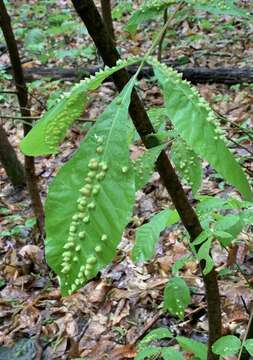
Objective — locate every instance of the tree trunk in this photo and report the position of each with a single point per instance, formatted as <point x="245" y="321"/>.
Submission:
<point x="107" y="17"/>
<point x="22" y="95"/>
<point x="10" y="162"/>
<point x="87" y="10"/>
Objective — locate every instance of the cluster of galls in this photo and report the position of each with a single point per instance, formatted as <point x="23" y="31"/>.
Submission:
<point x="138" y="167"/>
<point x="155" y="4"/>
<point x="192" y="94"/>
<point x="57" y="127"/>
<point x="222" y="4"/>
<point x="85" y="205"/>
<point x="185" y="165"/>
<point x="74" y="102"/>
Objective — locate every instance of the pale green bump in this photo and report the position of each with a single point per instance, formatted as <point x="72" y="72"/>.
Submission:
<point x="91" y="205"/>
<point x="73" y="287"/>
<point x="96" y="189"/>
<point x="86" y="190"/>
<point x="68" y="245"/>
<point x="100" y="140"/>
<point x="92" y="260"/>
<point x="100" y="176"/>
<point x="103" y="166"/>
<point x="78" y="248"/>
<point x="88" y="180"/>
<point x="124" y="169"/>
<point x="80" y="207"/>
<point x="82" y="268"/>
<point x="91" y="174"/>
<point x="72" y="228"/>
<point x="82" y="201"/>
<point x="86" y="219"/>
<point x="81" y="215"/>
<point x="66" y="254"/>
<point x="99" y="149"/>
<point x="93" y="164"/>
<point x="66" y="269"/>
<point x="87" y="273"/>
<point x="104" y="237"/>
<point x="89" y="267"/>
<point x="82" y="234"/>
<point x="98" y="248"/>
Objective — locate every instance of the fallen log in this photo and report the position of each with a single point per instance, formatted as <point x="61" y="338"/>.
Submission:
<point x="195" y="75"/>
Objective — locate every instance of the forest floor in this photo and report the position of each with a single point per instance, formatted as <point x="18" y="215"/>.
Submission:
<point x="108" y="316"/>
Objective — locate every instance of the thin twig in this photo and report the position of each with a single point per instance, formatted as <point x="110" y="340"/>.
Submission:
<point x="239" y="145"/>
<point x="160" y="45"/>
<point x="8" y="92"/>
<point x="247" y="132"/>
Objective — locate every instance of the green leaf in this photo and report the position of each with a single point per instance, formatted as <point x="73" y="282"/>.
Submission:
<point x="147" y="11"/>
<point x="187" y="163"/>
<point x="248" y="344"/>
<point x="247" y="217"/>
<point x="204" y="254"/>
<point x="122" y="7"/>
<point x="47" y="134"/>
<point x="34" y="40"/>
<point x="147" y="235"/>
<point x="176" y="296"/>
<point x="204" y="235"/>
<point x="158" y="117"/>
<point x="148" y="353"/>
<point x="224" y="7"/>
<point x="91" y="199"/>
<point x="180" y="263"/>
<point x="230" y="224"/>
<point x="196" y="123"/>
<point x="193" y="346"/>
<point x="170" y="353"/>
<point x="227" y="345"/>
<point x="144" y="166"/>
<point x="156" y="334"/>
<point x="209" y="203"/>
